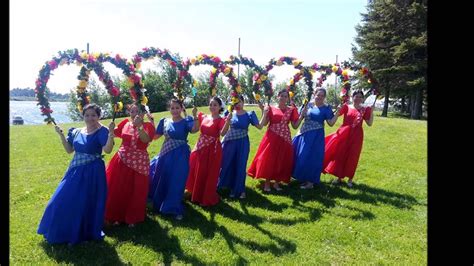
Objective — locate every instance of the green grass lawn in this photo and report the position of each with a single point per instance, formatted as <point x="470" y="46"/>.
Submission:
<point x="381" y="220"/>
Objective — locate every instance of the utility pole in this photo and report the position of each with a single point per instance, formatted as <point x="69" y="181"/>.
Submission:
<point x="87" y="48"/>
<point x="238" y="65"/>
<point x="335" y="79"/>
<point x="335" y="85"/>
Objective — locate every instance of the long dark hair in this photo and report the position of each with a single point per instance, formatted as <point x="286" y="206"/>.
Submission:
<point x="219" y="101"/>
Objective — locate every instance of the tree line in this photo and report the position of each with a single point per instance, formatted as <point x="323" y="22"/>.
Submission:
<point x="28" y="94"/>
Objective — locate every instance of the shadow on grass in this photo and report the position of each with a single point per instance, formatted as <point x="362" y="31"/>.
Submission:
<point x="152" y="235"/>
<point x="375" y="196"/>
<point x="156" y="237"/>
<point x="208" y="227"/>
<point x="86" y="253"/>
<point x="327" y="194"/>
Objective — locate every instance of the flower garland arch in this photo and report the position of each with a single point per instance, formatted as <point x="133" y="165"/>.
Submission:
<point x="183" y="75"/>
<point x="131" y="68"/>
<point x="261" y="78"/>
<point x="68" y="57"/>
<point x="343" y="74"/>
<point x="134" y="78"/>
<point x="234" y="60"/>
<point x="205" y="59"/>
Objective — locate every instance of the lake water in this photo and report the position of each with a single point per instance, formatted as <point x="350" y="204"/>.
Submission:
<point x="32" y="115"/>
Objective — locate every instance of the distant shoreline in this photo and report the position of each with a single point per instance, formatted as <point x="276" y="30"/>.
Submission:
<point x="34" y="99"/>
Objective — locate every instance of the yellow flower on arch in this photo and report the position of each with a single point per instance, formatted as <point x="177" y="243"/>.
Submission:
<point x="144" y="100"/>
<point x="257" y="96"/>
<point x="118" y="107"/>
<point x="82" y="83"/>
<point x="297" y="62"/>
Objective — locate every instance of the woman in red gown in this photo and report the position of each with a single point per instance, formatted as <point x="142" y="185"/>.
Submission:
<point x="343" y="147"/>
<point x="205" y="159"/>
<point x="274" y="157"/>
<point x="127" y="172"/>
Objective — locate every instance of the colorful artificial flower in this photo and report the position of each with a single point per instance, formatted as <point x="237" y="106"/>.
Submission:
<point x="297" y="62"/>
<point x="257" y="96"/>
<point x="227" y="71"/>
<point x="82" y="83"/>
<point x="118" y="107"/>
<point x="144" y="100"/>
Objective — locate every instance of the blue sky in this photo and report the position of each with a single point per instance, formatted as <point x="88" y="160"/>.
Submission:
<point x="314" y="31"/>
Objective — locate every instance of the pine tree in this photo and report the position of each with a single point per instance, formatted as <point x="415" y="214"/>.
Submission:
<point x="392" y="42"/>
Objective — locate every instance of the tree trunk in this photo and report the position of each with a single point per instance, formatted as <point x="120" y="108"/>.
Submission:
<point x="409" y="101"/>
<point x="385" y="104"/>
<point x="403" y="107"/>
<point x="417" y="105"/>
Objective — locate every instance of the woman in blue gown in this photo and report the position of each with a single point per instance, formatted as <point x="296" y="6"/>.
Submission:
<point x="236" y="148"/>
<point x="309" y="142"/>
<point x="75" y="213"/>
<point x="169" y="169"/>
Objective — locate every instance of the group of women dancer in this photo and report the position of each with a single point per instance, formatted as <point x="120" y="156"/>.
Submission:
<point x="91" y="194"/>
